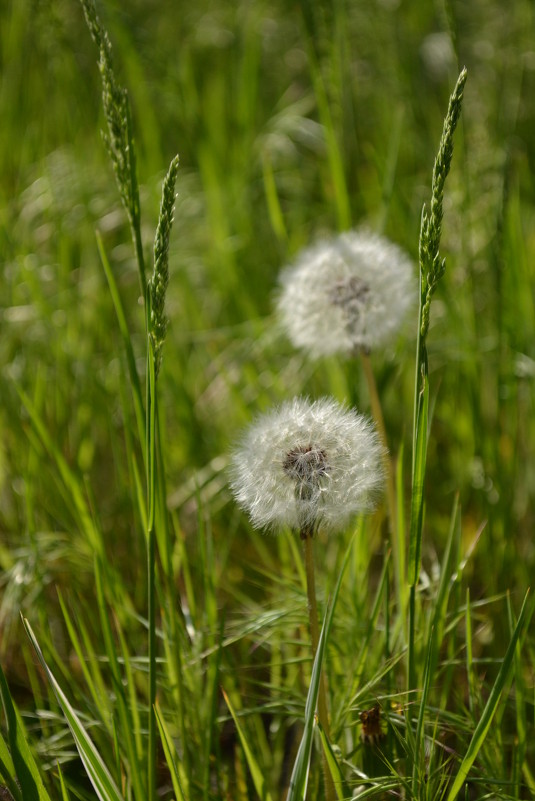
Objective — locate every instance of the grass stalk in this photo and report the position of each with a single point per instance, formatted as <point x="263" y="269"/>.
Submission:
<point x="432" y="268"/>
<point x="388" y="465"/>
<point x="312" y="605"/>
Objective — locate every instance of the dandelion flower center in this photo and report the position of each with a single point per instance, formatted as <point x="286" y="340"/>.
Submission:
<point x="351" y="295"/>
<point x="306" y="464"/>
<point x="346" y="294"/>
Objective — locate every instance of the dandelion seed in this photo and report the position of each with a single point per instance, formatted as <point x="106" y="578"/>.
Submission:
<point x="307" y="464"/>
<point x="347" y="294"/>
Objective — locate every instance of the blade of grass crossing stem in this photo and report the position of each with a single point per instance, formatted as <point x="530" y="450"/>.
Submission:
<point x="127" y="342"/>
<point x="521" y="705"/>
<point x="21" y="761"/>
<point x="93" y="679"/>
<point x="491" y="706"/>
<point x="417" y="510"/>
<point x="7" y="770"/>
<point x="6" y="763"/>
<point x="256" y="773"/>
<point x="212" y="696"/>
<point x="400" y="551"/>
<point x="299" y="778"/>
<point x="96" y="769"/>
<point x="73" y="489"/>
<point x="371" y="630"/>
<point x="438" y="619"/>
<point x="472" y="694"/>
<point x="419" y="755"/>
<point x="123" y="712"/>
<point x="341" y="788"/>
<point x="170" y="755"/>
<point x="133" y="707"/>
<point x="64" y="792"/>
<point x="418" y="475"/>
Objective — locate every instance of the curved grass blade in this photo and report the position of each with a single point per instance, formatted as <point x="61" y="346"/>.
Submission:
<point x="168" y="750"/>
<point x="256" y="774"/>
<point x="340" y="786"/>
<point x="21" y="759"/>
<point x="492" y="704"/>
<point x="64" y="792"/>
<point x="98" y="773"/>
<point x="127" y="341"/>
<point x="299" y="778"/>
<point x="7" y="770"/>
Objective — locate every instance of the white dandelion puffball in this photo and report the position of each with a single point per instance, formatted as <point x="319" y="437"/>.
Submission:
<point x="307" y="465"/>
<point x="346" y="294"/>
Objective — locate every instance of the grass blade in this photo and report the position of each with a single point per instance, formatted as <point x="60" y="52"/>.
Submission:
<point x="256" y="774"/>
<point x="299" y="778"/>
<point x="21" y="759"/>
<point x="340" y="786"/>
<point x="490" y="708"/>
<point x="98" y="773"/>
<point x="168" y="750"/>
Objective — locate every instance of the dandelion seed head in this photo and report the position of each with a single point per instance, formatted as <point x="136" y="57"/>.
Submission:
<point x="307" y="464"/>
<point x="345" y="294"/>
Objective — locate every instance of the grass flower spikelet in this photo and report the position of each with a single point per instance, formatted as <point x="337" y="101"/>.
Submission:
<point x="307" y="464"/>
<point x="346" y="294"/>
<point x="160" y="277"/>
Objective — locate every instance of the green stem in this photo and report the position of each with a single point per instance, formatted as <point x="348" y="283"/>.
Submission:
<point x="151" y="558"/>
<point x="388" y="467"/>
<point x="323" y="713"/>
<point x="152" y="666"/>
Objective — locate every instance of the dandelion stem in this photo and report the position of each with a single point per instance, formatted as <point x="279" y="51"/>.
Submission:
<point x="388" y="466"/>
<point x="323" y="713"/>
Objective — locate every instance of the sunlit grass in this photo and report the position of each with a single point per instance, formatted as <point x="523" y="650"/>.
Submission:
<point x="291" y="124"/>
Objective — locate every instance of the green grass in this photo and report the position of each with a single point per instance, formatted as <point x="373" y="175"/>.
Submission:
<point x="290" y="122"/>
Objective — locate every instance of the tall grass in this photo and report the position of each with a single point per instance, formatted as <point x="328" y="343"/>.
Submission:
<point x="164" y="648"/>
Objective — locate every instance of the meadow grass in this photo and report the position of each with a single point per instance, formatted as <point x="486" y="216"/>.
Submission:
<point x="163" y="650"/>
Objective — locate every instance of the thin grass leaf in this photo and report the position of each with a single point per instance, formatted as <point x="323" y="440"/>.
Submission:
<point x="7" y="770"/>
<point x="21" y="761"/>
<point x="420" y="733"/>
<point x="334" y="154"/>
<point x="93" y="679"/>
<point x="124" y="716"/>
<point x="276" y="216"/>
<point x="127" y="341"/>
<point x="299" y="778"/>
<point x="520" y="703"/>
<point x="257" y="776"/>
<point x="491" y="706"/>
<point x="96" y="769"/>
<point x="64" y="792"/>
<point x="357" y="668"/>
<point x="170" y="754"/>
<point x="73" y="486"/>
<point x="341" y="788"/>
<point x="418" y="476"/>
<point x="470" y="679"/>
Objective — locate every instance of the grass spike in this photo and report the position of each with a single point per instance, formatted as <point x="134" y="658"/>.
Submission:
<point x="157" y="325"/>
<point x="431" y="265"/>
